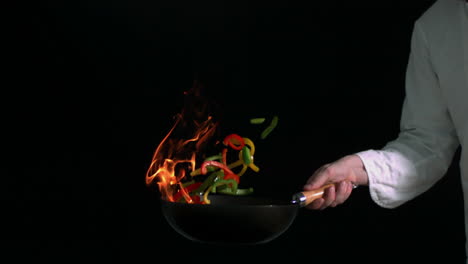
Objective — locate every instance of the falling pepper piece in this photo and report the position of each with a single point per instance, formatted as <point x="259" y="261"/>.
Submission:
<point x="247" y="159"/>
<point x="267" y="131"/>
<point x="215" y="157"/>
<point x="184" y="191"/>
<point x="230" y="182"/>
<point x="227" y="172"/>
<point x="257" y="120"/>
<point x="234" y="141"/>
<point x="246" y="155"/>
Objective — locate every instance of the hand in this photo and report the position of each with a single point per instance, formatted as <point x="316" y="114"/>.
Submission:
<point x="345" y="172"/>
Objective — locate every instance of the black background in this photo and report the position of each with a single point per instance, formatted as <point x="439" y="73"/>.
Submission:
<point x="91" y="88"/>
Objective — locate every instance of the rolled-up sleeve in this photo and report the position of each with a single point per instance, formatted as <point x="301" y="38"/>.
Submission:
<point x="425" y="146"/>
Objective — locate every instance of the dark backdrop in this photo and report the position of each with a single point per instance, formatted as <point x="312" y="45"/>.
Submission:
<point x="91" y="88"/>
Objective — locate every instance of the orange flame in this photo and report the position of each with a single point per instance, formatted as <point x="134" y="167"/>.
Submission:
<point x="175" y="157"/>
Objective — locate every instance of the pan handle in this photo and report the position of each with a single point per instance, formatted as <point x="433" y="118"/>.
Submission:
<point x="306" y="197"/>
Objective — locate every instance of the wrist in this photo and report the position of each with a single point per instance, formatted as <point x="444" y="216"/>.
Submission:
<point x="358" y="174"/>
<point x="354" y="161"/>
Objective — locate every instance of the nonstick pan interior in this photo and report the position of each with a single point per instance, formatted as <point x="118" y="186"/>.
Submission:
<point x="231" y="219"/>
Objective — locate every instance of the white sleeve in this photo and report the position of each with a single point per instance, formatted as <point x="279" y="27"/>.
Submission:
<point x="424" y="149"/>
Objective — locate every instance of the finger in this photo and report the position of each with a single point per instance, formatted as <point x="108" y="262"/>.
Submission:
<point x="329" y="197"/>
<point x="315" y="205"/>
<point x="342" y="192"/>
<point x="349" y="189"/>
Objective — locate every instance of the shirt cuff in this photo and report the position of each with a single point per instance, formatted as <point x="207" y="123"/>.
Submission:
<point x="370" y="160"/>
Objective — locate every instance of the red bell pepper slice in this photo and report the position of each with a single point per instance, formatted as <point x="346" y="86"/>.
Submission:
<point x="228" y="173"/>
<point x="179" y="194"/>
<point x="232" y="176"/>
<point x="234" y="141"/>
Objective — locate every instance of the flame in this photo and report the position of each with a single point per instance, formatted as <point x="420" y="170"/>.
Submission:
<point x="175" y="157"/>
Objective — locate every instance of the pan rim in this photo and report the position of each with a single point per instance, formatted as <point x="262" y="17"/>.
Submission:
<point x="271" y="203"/>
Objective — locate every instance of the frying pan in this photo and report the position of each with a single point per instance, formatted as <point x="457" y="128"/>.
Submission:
<point x="236" y="219"/>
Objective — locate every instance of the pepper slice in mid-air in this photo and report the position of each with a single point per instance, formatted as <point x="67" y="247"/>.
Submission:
<point x="228" y="173"/>
<point x="222" y="178"/>
<point x="184" y="192"/>
<point x="234" y="141"/>
<point x="268" y="129"/>
<point x="230" y="182"/>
